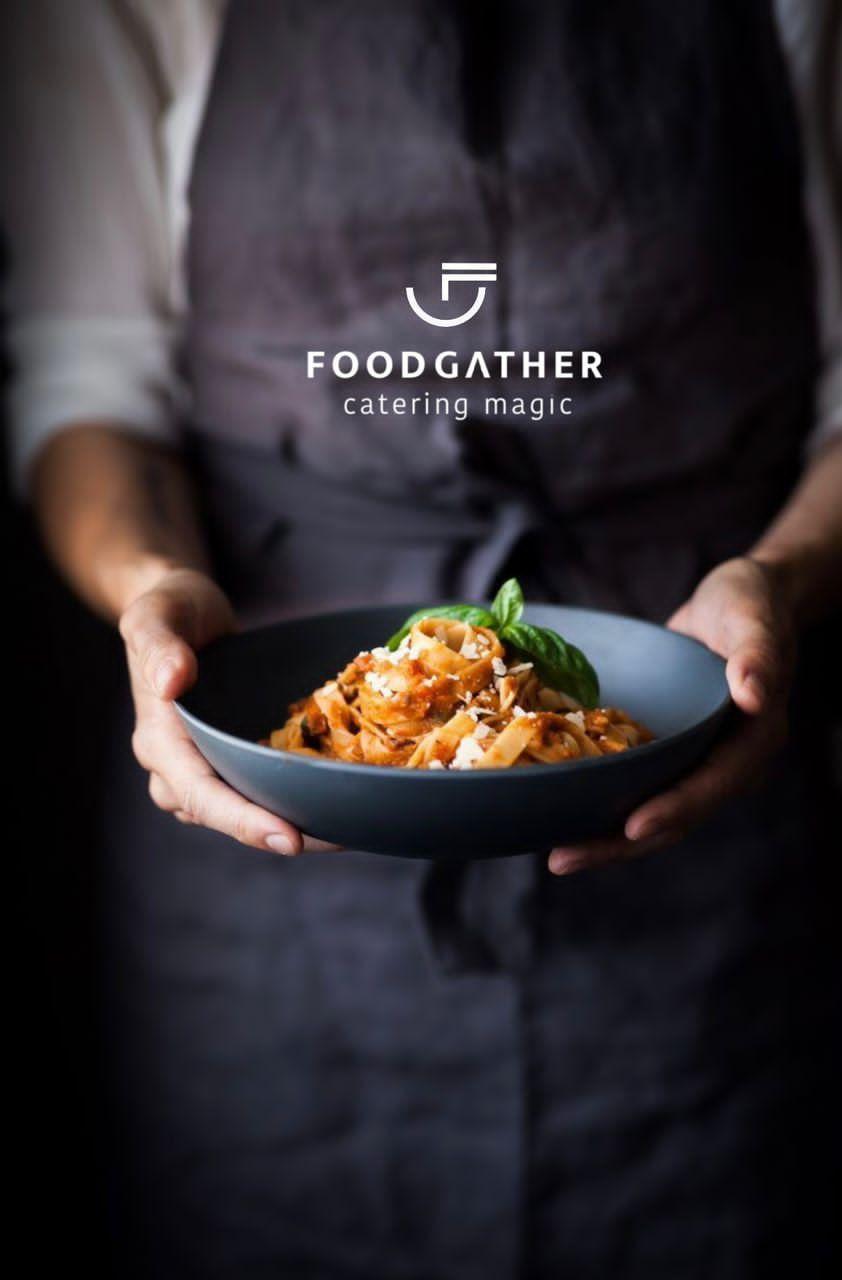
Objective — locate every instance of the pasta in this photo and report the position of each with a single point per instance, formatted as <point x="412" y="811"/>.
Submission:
<point x="451" y="696"/>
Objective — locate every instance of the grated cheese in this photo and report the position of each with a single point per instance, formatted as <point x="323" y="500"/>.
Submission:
<point x="378" y="682"/>
<point x="382" y="654"/>
<point x="467" y="753"/>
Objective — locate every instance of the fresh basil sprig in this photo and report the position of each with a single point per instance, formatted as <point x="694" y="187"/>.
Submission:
<point x="558" y="663"/>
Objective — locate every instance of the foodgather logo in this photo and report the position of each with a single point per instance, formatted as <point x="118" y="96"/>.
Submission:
<point x="463" y="273"/>
<point x="467" y="368"/>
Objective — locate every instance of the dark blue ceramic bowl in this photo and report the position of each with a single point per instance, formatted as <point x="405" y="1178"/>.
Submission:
<point x="674" y="685"/>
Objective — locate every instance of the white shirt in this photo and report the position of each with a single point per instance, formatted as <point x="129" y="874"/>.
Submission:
<point x="103" y="103"/>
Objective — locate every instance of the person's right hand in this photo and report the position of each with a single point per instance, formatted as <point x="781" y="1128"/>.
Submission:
<point x="162" y="630"/>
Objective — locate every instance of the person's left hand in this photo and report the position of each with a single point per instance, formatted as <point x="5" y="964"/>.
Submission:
<point x="741" y="611"/>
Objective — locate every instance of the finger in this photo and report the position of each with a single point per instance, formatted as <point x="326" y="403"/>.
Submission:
<point x="211" y="803"/>
<point x="165" y="661"/>
<point x="162" y="746"/>
<point x="755" y="668"/>
<point x="167" y="801"/>
<point x="756" y="660"/>
<point x="309" y="843"/>
<point x="588" y="852"/>
<point x="567" y="860"/>
<point x="162" y="794"/>
<point x="729" y="769"/>
<point x="165" y="798"/>
<point x="588" y="857"/>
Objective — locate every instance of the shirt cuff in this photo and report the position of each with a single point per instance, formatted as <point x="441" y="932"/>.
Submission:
<point x="103" y="370"/>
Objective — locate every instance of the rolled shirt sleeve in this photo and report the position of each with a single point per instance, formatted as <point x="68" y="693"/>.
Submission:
<point x="102" y="99"/>
<point x="114" y="369"/>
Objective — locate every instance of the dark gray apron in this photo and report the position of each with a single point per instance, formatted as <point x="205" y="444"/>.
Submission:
<point x="352" y="1066"/>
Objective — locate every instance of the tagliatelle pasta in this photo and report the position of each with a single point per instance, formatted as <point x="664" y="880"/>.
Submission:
<point x="450" y="696"/>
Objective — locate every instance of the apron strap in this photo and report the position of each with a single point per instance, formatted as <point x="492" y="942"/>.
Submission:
<point x="478" y="916"/>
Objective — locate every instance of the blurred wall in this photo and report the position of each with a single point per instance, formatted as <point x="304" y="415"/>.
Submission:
<point x="62" y="673"/>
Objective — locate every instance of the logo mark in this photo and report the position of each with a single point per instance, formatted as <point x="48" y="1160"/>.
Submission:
<point x="463" y="272"/>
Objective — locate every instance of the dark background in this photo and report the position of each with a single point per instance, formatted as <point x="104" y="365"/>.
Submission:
<point x="65" y="669"/>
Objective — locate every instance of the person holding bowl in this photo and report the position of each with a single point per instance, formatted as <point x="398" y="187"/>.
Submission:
<point x="609" y="1074"/>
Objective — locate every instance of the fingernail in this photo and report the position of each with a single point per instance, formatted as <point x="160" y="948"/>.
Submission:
<point x="646" y="830"/>
<point x="562" y="863"/>
<point x="164" y="675"/>
<point x="280" y="844"/>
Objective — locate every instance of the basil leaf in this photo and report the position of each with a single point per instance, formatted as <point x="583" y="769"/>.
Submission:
<point x="508" y="603"/>
<point x="469" y="613"/>
<point x="559" y="664"/>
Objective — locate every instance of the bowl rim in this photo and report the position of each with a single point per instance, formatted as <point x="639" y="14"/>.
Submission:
<point x="621" y="758"/>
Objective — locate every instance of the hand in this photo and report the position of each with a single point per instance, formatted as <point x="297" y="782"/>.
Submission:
<point x="741" y="611"/>
<point x="162" y="630"/>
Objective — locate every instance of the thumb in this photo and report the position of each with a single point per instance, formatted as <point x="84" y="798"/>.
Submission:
<point x="754" y="669"/>
<point x="153" y="630"/>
